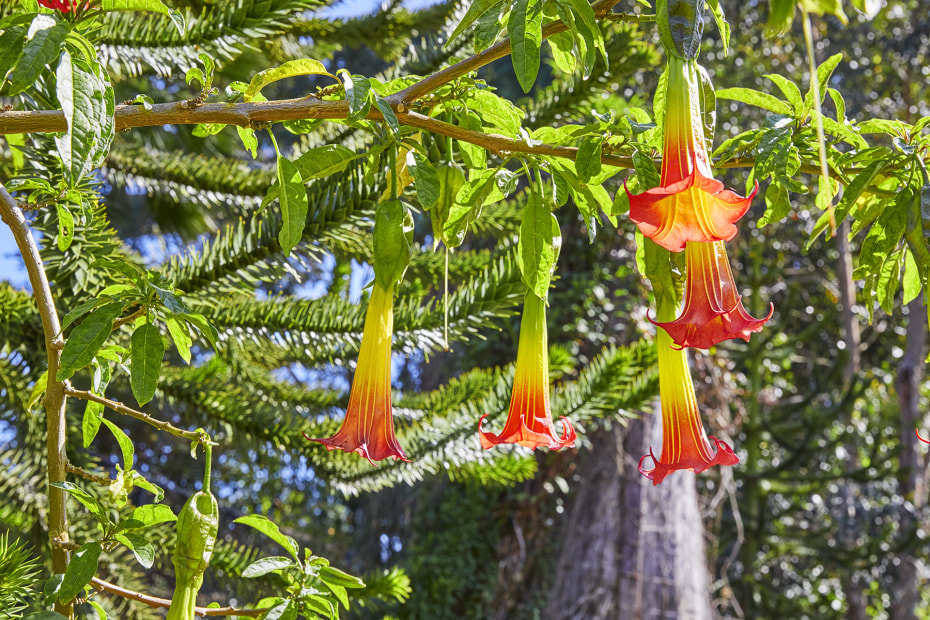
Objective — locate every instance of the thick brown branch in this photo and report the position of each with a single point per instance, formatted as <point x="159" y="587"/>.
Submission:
<point x="155" y="601"/>
<point x="139" y="415"/>
<point x="13" y="217"/>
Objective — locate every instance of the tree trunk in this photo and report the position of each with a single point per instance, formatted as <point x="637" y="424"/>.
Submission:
<point x="631" y="551"/>
<point x="912" y="476"/>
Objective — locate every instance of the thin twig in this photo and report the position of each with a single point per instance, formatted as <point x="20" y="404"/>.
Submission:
<point x="818" y="112"/>
<point x="128" y="319"/>
<point x="155" y="601"/>
<point x="83" y="473"/>
<point x="139" y="415"/>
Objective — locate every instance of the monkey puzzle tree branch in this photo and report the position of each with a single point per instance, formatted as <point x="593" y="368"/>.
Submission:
<point x="154" y="601"/>
<point x="55" y="399"/>
<point x="139" y="415"/>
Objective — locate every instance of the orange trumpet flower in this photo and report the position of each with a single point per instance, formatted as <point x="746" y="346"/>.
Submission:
<point x="368" y="427"/>
<point x="529" y="420"/>
<point x="689" y="204"/>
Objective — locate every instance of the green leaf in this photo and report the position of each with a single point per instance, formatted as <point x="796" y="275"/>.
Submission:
<point x="777" y="204"/>
<point x="80" y="571"/>
<point x="755" y="98"/>
<point x="358" y="94"/>
<point x="393" y="236"/>
<point x="293" y="198"/>
<point x="790" y="90"/>
<point x="89" y="501"/>
<point x="87" y="338"/>
<point x="323" y="161"/>
<point x="151" y="514"/>
<point x="101" y="612"/>
<point x="425" y="179"/>
<point x="291" y="68"/>
<point x="267" y="565"/>
<point x="562" y="45"/>
<point x="205" y="327"/>
<point x="388" y="113"/>
<point x="282" y="611"/>
<point x="65" y="227"/>
<point x="781" y="14"/>
<point x="646" y="171"/>
<point x="270" y="529"/>
<point x="181" y="337"/>
<point x="912" y="279"/>
<point x="249" y="140"/>
<point x="125" y="444"/>
<point x="828" y="7"/>
<point x="86" y="100"/>
<point x="587" y="27"/>
<point x="147" y="349"/>
<point x="487" y="28"/>
<point x="538" y="248"/>
<point x="824" y="71"/>
<point x="337" y="577"/>
<point x="475" y="10"/>
<point x="588" y="160"/>
<point x="451" y="180"/>
<point x="525" y="32"/>
<point x="43" y="44"/>
<point x="722" y="24"/>
<point x="140" y="547"/>
<point x="90" y="423"/>
<point x="473" y="156"/>
<point x="11" y="48"/>
<point x="37" y="390"/>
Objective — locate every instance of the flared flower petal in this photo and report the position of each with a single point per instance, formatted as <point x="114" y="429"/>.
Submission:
<point x="685" y="445"/>
<point x="529" y="420"/>
<point x="713" y="311"/>
<point x="689" y="204"/>
<point x="368" y="427"/>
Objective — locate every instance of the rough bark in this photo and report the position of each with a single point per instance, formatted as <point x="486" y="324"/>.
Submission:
<point x="912" y="480"/>
<point x="631" y="551"/>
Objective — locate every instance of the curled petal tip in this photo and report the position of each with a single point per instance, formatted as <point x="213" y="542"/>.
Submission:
<point x="921" y="437"/>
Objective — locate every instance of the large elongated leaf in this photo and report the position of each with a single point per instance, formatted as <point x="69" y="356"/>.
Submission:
<point x="525" y="31"/>
<point x="292" y="68"/>
<point x="270" y="529"/>
<point x="293" y="198"/>
<point x="87" y="338"/>
<point x="475" y="10"/>
<point x="43" y="43"/>
<point x="81" y="569"/>
<point x="147" y="349"/>
<point x="86" y="99"/>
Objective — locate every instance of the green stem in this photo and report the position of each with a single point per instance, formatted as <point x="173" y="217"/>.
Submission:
<point x="818" y="113"/>
<point x="208" y="466"/>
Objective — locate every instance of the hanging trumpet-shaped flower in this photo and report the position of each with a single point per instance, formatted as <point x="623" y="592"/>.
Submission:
<point x="529" y="420"/>
<point x="368" y="427"/>
<point x="689" y="204"/>
<point x="713" y="311"/>
<point x="685" y="445"/>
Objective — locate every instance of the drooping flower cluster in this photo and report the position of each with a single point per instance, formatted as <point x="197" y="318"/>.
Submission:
<point x="690" y="211"/>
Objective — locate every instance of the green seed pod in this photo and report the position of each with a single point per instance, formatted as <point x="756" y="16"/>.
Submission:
<point x="197" y="526"/>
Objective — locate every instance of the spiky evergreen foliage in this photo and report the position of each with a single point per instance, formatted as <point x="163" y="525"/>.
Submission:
<point x="289" y="326"/>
